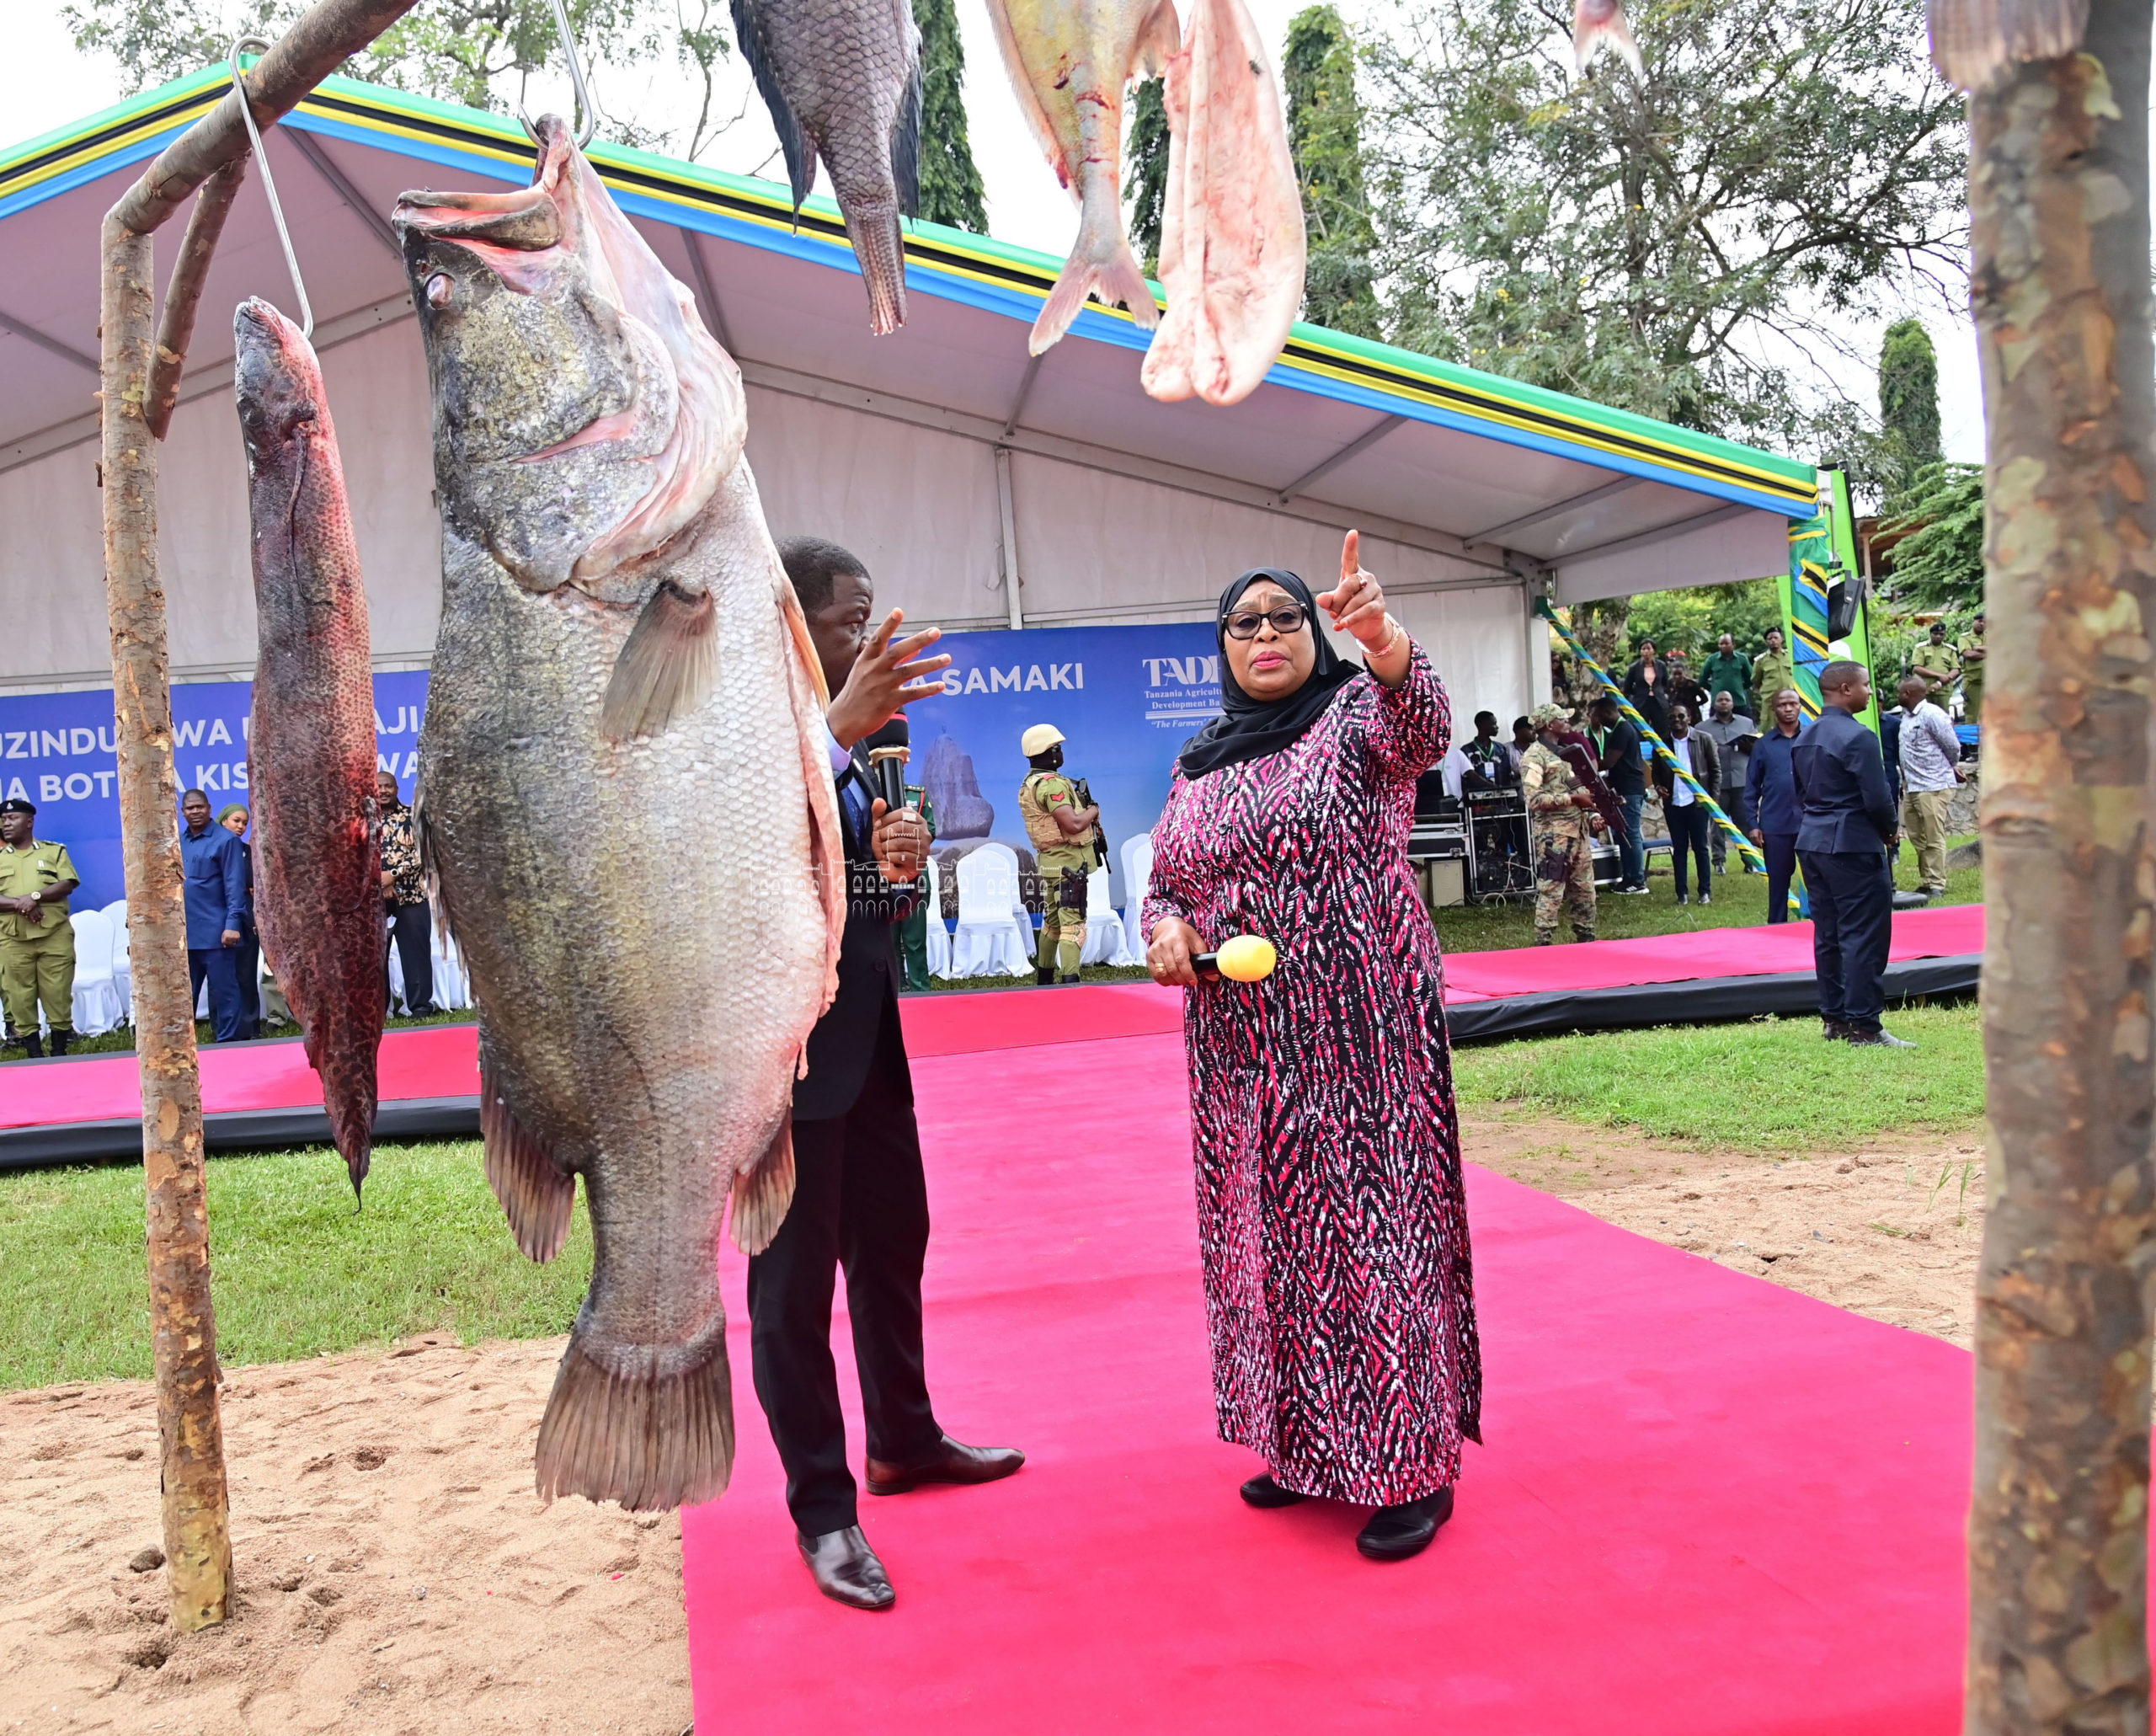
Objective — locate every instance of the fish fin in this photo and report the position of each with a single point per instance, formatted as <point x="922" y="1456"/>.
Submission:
<point x="668" y="667"/>
<point x="762" y="1193"/>
<point x="1614" y="33"/>
<point x="1029" y="103"/>
<point x="905" y="137"/>
<point x="1112" y="271"/>
<point x="880" y="246"/>
<point x="800" y="152"/>
<point x="535" y="1193"/>
<point x="797" y="626"/>
<point x="811" y="699"/>
<point x="1159" y="38"/>
<point x="654" y="1430"/>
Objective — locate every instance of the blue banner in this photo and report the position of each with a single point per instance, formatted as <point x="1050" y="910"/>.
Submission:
<point x="1126" y="698"/>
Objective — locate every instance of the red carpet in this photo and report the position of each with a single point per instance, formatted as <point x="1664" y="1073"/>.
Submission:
<point x="1706" y="1505"/>
<point x="441" y="1061"/>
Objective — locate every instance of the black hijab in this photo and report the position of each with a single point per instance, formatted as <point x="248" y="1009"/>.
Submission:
<point x="1250" y="729"/>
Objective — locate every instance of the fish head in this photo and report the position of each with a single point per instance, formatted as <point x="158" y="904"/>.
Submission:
<point x="583" y="417"/>
<point x="276" y="379"/>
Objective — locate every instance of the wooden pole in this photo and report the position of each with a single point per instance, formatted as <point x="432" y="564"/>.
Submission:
<point x="197" y="1532"/>
<point x="190" y="272"/>
<point x="2058" y="1530"/>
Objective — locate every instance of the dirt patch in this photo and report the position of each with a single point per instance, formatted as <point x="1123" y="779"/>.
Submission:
<point x="394" y="1571"/>
<point x="1892" y="1230"/>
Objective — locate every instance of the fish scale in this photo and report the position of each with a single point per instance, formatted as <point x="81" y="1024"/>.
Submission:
<point x="311" y="735"/>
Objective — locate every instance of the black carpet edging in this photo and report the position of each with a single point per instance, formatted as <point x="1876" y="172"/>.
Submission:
<point x="420" y="1118"/>
<point x="1699" y="1001"/>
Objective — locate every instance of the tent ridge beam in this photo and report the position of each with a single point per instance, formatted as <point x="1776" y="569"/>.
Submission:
<point x="1682" y="527"/>
<point x="1543" y="514"/>
<point x="1113" y="462"/>
<point x="1361" y="443"/>
<point x="325" y="165"/>
<point x="52" y="346"/>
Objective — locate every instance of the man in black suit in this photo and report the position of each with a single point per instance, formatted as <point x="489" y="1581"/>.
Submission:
<point x="1843" y="839"/>
<point x="860" y="1199"/>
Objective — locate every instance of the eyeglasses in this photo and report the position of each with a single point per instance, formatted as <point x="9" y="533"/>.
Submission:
<point x="1288" y="619"/>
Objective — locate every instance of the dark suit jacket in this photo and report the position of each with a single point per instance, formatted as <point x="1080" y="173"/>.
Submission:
<point x="1706" y="766"/>
<point x="1841" y="784"/>
<point x="846" y="1039"/>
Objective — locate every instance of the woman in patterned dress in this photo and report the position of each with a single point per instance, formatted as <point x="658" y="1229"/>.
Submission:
<point x="1331" y="1220"/>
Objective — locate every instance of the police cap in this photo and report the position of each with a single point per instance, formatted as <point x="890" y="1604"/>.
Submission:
<point x="1039" y="739"/>
<point x="16" y="805"/>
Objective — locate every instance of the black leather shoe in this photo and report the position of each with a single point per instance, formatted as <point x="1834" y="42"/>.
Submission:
<point x="33" y="1047"/>
<point x="61" y="1039"/>
<point x="1262" y="1492"/>
<point x="1877" y="1040"/>
<point x="1044" y="976"/>
<point x="846" y="1571"/>
<point x="953" y="1461"/>
<point x="1396" y="1533"/>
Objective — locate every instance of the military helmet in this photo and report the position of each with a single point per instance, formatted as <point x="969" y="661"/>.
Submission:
<point x="1039" y="739"/>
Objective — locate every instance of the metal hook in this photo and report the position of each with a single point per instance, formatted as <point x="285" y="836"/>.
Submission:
<point x="576" y="78"/>
<point x="269" y="182"/>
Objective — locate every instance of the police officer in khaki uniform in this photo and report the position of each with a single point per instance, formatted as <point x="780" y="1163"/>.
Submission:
<point x="1064" y="830"/>
<point x="1971" y="647"/>
<point x="1565" y="826"/>
<point x="37" y="942"/>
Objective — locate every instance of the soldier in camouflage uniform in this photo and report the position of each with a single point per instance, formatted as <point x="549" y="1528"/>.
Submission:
<point x="1565" y="826"/>
<point x="1065" y="831"/>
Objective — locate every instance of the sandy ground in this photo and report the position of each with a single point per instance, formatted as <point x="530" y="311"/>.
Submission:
<point x="396" y="1574"/>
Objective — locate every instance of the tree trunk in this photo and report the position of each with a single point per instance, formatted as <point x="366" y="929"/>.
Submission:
<point x="2058" y="1530"/>
<point x="198" y="1543"/>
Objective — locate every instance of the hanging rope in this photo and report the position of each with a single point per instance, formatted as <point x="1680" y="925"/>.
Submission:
<point x="590" y="114"/>
<point x="269" y="181"/>
<point x="1753" y="859"/>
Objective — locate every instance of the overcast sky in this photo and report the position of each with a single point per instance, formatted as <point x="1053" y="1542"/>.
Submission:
<point x="44" y="83"/>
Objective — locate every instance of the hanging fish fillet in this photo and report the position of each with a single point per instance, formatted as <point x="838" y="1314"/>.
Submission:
<point x="311" y="740"/>
<point x="842" y="80"/>
<point x="627" y="799"/>
<point x="1068" y="62"/>
<point x="1232" y="246"/>
<point x="1598" y="24"/>
<point x="1974" y="41"/>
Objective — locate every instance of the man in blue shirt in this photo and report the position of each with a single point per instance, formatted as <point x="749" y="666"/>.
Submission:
<point x="1847" y="831"/>
<point x="1770" y="804"/>
<point x="215" y="864"/>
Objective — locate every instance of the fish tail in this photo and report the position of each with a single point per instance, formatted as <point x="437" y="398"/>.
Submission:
<point x="1101" y="262"/>
<point x="880" y="247"/>
<point x="348" y="1097"/>
<point x="649" y="1426"/>
<point x="1590" y="36"/>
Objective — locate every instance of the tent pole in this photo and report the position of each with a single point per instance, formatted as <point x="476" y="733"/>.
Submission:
<point x="197" y="1530"/>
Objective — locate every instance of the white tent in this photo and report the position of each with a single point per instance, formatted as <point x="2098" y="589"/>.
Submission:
<point x="983" y="489"/>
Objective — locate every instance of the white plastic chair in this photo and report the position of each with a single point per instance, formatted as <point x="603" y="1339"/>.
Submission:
<point x="97" y="1007"/>
<point x="1105" y="943"/>
<point x="123" y="972"/>
<point x="987" y="942"/>
<point x="452" y="988"/>
<point x="939" y="936"/>
<point x="1137" y="879"/>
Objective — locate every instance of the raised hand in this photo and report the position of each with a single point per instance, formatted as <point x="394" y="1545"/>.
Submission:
<point x="1356" y="603"/>
<point x="888" y="675"/>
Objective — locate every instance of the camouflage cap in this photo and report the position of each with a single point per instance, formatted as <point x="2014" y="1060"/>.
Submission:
<point x="1545" y="715"/>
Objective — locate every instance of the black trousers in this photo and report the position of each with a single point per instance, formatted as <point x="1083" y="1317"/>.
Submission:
<point x="1779" y="848"/>
<point x="410" y="926"/>
<point x="1852" y="896"/>
<point x="1689" y="826"/>
<point x="860" y="1202"/>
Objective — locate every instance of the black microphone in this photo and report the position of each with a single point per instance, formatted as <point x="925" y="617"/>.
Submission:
<point x="888" y="750"/>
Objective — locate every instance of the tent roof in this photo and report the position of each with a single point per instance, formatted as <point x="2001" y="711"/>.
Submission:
<point x="1509" y="479"/>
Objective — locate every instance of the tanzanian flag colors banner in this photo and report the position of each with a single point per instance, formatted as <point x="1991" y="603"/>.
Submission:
<point x="1821" y="555"/>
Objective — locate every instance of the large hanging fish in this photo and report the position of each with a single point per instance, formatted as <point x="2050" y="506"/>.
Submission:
<point x="627" y="799"/>
<point x="842" y="80"/>
<point x="1232" y="244"/>
<point x="311" y="741"/>
<point x="1068" y="62"/>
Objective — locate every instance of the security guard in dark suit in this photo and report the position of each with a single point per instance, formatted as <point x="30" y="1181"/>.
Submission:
<point x="1843" y="841"/>
<point x="860" y="1198"/>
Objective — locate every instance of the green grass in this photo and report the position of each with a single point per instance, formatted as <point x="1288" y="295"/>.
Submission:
<point x="298" y="1270"/>
<point x="1739" y="902"/>
<point x="1766" y="1085"/>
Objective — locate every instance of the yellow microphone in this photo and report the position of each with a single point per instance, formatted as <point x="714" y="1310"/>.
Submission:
<point x="1247" y="958"/>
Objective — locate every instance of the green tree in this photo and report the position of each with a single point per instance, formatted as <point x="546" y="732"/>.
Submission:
<point x="950" y="184"/>
<point x="1674" y="244"/>
<point x="1146" y="178"/>
<point x="1939" y="563"/>
<point x="477" y="52"/>
<point x="1325" y="124"/>
<point x="1909" y="396"/>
